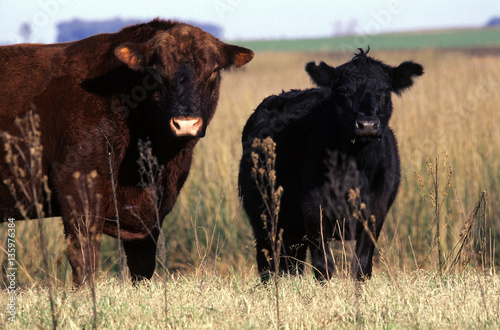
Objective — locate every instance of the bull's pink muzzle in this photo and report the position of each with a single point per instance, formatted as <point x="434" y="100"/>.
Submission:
<point x="187" y="126"/>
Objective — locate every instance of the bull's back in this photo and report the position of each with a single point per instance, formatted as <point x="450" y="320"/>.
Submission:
<point x="25" y="72"/>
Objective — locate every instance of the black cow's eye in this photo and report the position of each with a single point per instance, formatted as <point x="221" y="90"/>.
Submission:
<point x="383" y="99"/>
<point x="342" y="91"/>
<point x="344" y="97"/>
<point x="385" y="96"/>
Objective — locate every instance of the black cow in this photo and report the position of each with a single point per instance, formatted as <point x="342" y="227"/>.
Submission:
<point x="329" y="140"/>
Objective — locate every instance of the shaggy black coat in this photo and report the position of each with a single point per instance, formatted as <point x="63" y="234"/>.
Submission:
<point x="334" y="149"/>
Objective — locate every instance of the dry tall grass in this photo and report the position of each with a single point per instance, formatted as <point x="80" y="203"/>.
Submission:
<point x="237" y="301"/>
<point x="452" y="109"/>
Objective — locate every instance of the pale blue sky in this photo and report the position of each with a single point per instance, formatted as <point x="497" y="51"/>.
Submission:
<point x="254" y="19"/>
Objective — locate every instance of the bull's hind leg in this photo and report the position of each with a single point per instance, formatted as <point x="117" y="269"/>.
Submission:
<point x="141" y="256"/>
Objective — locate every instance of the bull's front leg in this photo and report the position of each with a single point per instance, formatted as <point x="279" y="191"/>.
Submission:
<point x="141" y="256"/>
<point x="84" y="246"/>
<point x="82" y="220"/>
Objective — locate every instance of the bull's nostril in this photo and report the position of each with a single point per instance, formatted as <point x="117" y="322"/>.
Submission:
<point x="175" y="124"/>
<point x="359" y="125"/>
<point x="376" y="125"/>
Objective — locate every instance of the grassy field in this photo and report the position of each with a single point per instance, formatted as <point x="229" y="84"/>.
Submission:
<point x="451" y="113"/>
<point x="238" y="301"/>
<point x="395" y="41"/>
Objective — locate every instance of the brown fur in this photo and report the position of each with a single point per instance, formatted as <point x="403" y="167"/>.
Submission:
<point x="96" y="98"/>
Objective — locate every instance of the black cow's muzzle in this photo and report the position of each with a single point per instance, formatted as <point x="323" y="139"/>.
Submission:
<point x="368" y="128"/>
<point x="187" y="126"/>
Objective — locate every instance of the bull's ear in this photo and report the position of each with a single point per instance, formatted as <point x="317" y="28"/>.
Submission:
<point x="236" y="55"/>
<point x="322" y="75"/>
<point x="133" y="55"/>
<point x="402" y="76"/>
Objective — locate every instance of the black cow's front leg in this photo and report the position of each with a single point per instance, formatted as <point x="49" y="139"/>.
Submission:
<point x="264" y="256"/>
<point x="361" y="266"/>
<point x="319" y="234"/>
<point x="369" y="230"/>
<point x="292" y="254"/>
<point x="322" y="260"/>
<point x="292" y="259"/>
<point x="141" y="256"/>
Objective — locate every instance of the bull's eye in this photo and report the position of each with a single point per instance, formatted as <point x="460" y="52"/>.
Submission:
<point x="215" y="71"/>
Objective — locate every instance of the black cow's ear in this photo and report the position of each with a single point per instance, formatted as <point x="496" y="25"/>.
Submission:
<point x="236" y="55"/>
<point x="402" y="76"/>
<point x="133" y="55"/>
<point x="322" y="75"/>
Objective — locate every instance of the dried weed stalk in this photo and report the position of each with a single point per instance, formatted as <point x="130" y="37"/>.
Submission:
<point x="151" y="174"/>
<point x="86" y="226"/>
<point x="29" y="186"/>
<point x="463" y="251"/>
<point x="264" y="174"/>
<point x="437" y="197"/>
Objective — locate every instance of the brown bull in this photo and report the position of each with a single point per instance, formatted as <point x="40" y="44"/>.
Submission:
<point x="97" y="98"/>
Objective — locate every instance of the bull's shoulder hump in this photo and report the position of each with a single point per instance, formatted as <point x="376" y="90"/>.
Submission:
<point x="26" y="68"/>
<point x="19" y="54"/>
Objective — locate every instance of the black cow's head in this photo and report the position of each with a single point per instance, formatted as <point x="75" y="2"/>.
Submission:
<point x="182" y="74"/>
<point x="361" y="91"/>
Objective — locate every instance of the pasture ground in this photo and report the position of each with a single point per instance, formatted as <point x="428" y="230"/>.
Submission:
<point x="410" y="300"/>
<point x="449" y="137"/>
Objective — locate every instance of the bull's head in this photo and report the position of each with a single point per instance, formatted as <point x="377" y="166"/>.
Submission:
<point x="184" y="65"/>
<point x="361" y="91"/>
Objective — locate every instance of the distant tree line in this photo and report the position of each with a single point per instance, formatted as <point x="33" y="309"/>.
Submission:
<point x="494" y="21"/>
<point x="78" y="29"/>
